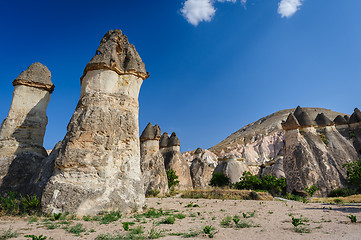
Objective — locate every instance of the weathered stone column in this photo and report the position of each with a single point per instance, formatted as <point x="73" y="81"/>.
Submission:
<point x="22" y="132"/>
<point x="152" y="161"/>
<point x="173" y="159"/>
<point x="98" y="164"/>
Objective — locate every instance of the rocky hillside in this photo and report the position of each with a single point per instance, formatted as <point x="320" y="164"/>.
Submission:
<point x="261" y="141"/>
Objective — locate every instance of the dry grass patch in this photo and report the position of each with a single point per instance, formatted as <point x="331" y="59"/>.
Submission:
<point x="228" y="194"/>
<point x="349" y="199"/>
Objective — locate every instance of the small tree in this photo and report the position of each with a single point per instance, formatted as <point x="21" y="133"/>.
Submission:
<point x="172" y="178"/>
<point x="219" y="180"/>
<point x="354" y="174"/>
<point x="311" y="190"/>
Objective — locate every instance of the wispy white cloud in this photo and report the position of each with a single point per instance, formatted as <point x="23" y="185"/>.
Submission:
<point x="289" y="7"/>
<point x="196" y="11"/>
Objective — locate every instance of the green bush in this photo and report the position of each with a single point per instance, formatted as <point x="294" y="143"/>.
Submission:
<point x="219" y="180"/>
<point x="275" y="186"/>
<point x="15" y="204"/>
<point x="354" y="174"/>
<point x="172" y="178"/>
<point x="311" y="190"/>
<point x="342" y="192"/>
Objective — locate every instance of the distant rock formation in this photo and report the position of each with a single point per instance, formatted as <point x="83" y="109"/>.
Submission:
<point x="152" y="161"/>
<point x="201" y="170"/>
<point x="22" y="132"/>
<point x="314" y="154"/>
<point x="173" y="159"/>
<point x="97" y="167"/>
<point x="232" y="167"/>
<point x="204" y="154"/>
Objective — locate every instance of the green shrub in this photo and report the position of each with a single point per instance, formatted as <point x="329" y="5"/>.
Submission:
<point x="342" y="192"/>
<point x="209" y="230"/>
<point x="352" y="218"/>
<point x="219" y="180"/>
<point x="110" y="217"/>
<point x="33" y="237"/>
<point x="6" y="234"/>
<point x="297" y="221"/>
<point x="226" y="222"/>
<point x="168" y="220"/>
<point x="15" y="204"/>
<point x="172" y="178"/>
<point x="311" y="190"/>
<point x="275" y="186"/>
<point x="155" y="234"/>
<point x="76" y="229"/>
<point x="354" y="174"/>
<point x="323" y="138"/>
<point x="153" y="192"/>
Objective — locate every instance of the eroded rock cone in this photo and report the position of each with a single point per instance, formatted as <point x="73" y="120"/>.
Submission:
<point x="232" y="168"/>
<point x="305" y="120"/>
<point x="97" y="167"/>
<point x="355" y="117"/>
<point x="22" y="132"/>
<point x="173" y="159"/>
<point x="291" y="123"/>
<point x="152" y="162"/>
<point x="340" y="120"/>
<point x="323" y="121"/>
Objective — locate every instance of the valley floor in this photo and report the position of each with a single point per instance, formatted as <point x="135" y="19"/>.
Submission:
<point x="257" y="220"/>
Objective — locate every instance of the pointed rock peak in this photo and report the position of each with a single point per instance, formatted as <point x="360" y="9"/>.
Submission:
<point x="37" y="75"/>
<point x="198" y="151"/>
<point x="291" y="123"/>
<point x="298" y="111"/>
<point x="339" y="120"/>
<point x="355" y="117"/>
<point x="117" y="54"/>
<point x="148" y="133"/>
<point x="347" y="117"/>
<point x="305" y="120"/>
<point x="157" y="132"/>
<point x="174" y="140"/>
<point x="323" y="121"/>
<point x="164" y="140"/>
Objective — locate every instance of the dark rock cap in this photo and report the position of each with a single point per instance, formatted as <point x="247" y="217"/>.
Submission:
<point x="198" y="151"/>
<point x="164" y="140"/>
<point x="291" y="123"/>
<point x="339" y="120"/>
<point x="117" y="54"/>
<point x="323" y="121"/>
<point x="173" y="140"/>
<point x="150" y="133"/>
<point x="305" y="121"/>
<point x="298" y="112"/>
<point x="347" y="117"/>
<point x="37" y="75"/>
<point x="355" y="117"/>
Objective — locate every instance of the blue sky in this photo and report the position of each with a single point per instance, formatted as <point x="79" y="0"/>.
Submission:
<point x="214" y="66"/>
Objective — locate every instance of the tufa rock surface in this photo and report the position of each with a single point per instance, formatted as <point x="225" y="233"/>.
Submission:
<point x="97" y="166"/>
<point x="152" y="162"/>
<point x="22" y="132"/>
<point x="201" y="173"/>
<point x="173" y="159"/>
<point x="232" y="167"/>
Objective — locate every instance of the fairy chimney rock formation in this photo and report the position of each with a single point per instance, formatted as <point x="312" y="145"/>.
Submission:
<point x="97" y="167"/>
<point x="316" y="154"/>
<point x="355" y="117"/>
<point x="22" y="132"/>
<point x="323" y="121"/>
<point x="340" y="120"/>
<point x="173" y="159"/>
<point x="291" y="123"/>
<point x="152" y="161"/>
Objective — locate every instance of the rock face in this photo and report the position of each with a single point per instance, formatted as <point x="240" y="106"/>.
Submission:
<point x="22" y="132"/>
<point x="97" y="167"/>
<point x="261" y="142"/>
<point x="201" y="169"/>
<point x="205" y="155"/>
<point x="315" y="154"/>
<point x="152" y="162"/>
<point x="232" y="167"/>
<point x="173" y="159"/>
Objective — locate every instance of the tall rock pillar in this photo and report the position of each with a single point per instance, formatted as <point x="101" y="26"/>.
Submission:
<point x="97" y="167"/>
<point x="22" y="132"/>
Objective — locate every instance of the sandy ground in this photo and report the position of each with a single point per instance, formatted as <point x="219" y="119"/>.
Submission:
<point x="271" y="220"/>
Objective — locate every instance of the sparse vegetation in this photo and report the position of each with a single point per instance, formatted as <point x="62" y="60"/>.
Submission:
<point x="209" y="230"/>
<point x="126" y="225"/>
<point x="311" y="190"/>
<point x="219" y="180"/>
<point x="15" y="204"/>
<point x="323" y="138"/>
<point x="6" y="234"/>
<point x="172" y="178"/>
<point x="110" y="217"/>
<point x="168" y="220"/>
<point x="33" y="237"/>
<point x="76" y="229"/>
<point x="354" y="174"/>
<point x="226" y="222"/>
<point x="342" y="192"/>
<point x="352" y="218"/>
<point x="153" y="192"/>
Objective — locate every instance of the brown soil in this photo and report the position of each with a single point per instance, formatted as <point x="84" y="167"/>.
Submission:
<point x="271" y="220"/>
